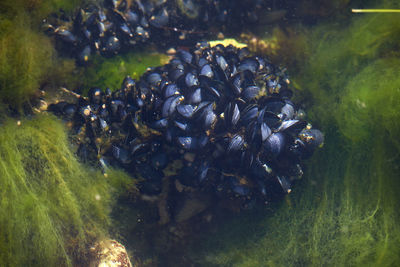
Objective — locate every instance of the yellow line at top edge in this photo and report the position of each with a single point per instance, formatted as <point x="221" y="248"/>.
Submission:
<point x="375" y="10"/>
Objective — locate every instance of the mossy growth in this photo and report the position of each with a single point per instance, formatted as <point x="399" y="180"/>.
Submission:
<point x="52" y="207"/>
<point x="36" y="9"/>
<point x="345" y="212"/>
<point x="27" y="56"/>
<point x="337" y="55"/>
<point x="370" y="106"/>
<point x="110" y="72"/>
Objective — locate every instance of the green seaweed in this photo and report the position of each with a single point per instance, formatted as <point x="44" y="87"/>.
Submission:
<point x="110" y="72"/>
<point x="52" y="207"/>
<point x="345" y="212"/>
<point x="27" y="56"/>
<point x="36" y="10"/>
<point x="25" y="59"/>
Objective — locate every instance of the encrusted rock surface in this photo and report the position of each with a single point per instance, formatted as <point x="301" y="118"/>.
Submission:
<point x="110" y="253"/>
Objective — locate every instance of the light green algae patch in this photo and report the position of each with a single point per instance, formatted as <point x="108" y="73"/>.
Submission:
<point x="110" y="72"/>
<point x="371" y="106"/>
<point x="52" y="207"/>
<point x="346" y="210"/>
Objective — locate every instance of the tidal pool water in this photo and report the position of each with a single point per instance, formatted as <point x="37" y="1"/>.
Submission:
<point x="344" y="69"/>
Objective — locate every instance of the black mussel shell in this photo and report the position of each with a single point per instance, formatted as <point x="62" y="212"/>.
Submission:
<point x="312" y="138"/>
<point x="236" y="143"/>
<point x="95" y="95"/>
<point x="160" y="19"/>
<point x="274" y="144"/>
<point x="185" y="110"/>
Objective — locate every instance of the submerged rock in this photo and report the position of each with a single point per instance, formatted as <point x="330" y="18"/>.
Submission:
<point x="110" y="253"/>
<point x="191" y="205"/>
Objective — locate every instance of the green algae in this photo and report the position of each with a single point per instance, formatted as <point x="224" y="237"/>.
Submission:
<point x="36" y="10"/>
<point x="25" y="59"/>
<point x="371" y="103"/>
<point x="110" y="72"/>
<point x="52" y="207"/>
<point x="27" y="56"/>
<point x="345" y="212"/>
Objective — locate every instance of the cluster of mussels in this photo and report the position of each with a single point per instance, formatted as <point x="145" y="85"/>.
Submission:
<point x="119" y="25"/>
<point x="221" y="118"/>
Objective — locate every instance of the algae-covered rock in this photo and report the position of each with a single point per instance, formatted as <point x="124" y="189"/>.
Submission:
<point x="52" y="207"/>
<point x="190" y="206"/>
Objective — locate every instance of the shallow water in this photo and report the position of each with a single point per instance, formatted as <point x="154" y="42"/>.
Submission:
<point x="345" y="212"/>
<point x="344" y="68"/>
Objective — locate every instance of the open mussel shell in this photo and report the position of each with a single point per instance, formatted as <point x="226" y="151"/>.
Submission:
<point x="292" y="126"/>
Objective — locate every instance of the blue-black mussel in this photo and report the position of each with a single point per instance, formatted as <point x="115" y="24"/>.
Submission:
<point x="216" y="119"/>
<point x="115" y="26"/>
